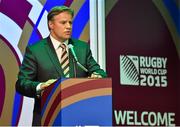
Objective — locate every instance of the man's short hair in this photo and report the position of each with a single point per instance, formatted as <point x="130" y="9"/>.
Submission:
<point x="57" y="10"/>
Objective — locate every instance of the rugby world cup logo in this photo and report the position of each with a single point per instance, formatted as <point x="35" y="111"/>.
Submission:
<point x="129" y="70"/>
<point x="148" y="71"/>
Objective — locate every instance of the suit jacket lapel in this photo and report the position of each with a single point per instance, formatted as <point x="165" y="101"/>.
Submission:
<point x="52" y="55"/>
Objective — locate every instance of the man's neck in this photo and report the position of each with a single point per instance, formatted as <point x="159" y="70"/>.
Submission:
<point x="59" y="40"/>
<point x="54" y="40"/>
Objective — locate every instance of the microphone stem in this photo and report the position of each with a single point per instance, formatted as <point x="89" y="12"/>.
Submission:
<point x="75" y="58"/>
<point x="81" y="66"/>
<point x="75" y="72"/>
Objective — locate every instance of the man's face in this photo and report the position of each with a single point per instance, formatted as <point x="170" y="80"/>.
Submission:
<point x="61" y="26"/>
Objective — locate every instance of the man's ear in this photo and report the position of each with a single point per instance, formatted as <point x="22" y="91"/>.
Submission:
<point x="50" y="23"/>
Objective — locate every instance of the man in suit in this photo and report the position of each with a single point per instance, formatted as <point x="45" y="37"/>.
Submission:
<point x="42" y="63"/>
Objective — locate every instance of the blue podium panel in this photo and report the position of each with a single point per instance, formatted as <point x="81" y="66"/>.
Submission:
<point x="78" y="102"/>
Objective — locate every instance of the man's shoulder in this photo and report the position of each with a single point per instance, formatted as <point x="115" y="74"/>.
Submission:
<point x="38" y="44"/>
<point x="77" y="42"/>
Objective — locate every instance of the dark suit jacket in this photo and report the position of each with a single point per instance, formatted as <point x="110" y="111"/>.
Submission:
<point x="41" y="63"/>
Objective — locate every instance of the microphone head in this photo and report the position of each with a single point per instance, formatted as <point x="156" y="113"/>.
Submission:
<point x="70" y="46"/>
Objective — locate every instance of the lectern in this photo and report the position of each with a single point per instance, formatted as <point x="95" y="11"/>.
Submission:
<point x="77" y="102"/>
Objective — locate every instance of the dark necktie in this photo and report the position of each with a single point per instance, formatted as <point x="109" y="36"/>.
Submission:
<point x="65" y="61"/>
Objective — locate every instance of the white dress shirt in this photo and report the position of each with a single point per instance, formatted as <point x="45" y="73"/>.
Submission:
<point x="57" y="47"/>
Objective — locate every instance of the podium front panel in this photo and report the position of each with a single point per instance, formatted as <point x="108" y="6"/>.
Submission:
<point x="78" y="102"/>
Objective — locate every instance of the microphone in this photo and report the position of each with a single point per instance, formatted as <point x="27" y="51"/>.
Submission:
<point x="72" y="51"/>
<point x="75" y="57"/>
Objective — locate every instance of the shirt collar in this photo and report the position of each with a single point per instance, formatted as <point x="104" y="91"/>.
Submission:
<point x="56" y="43"/>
